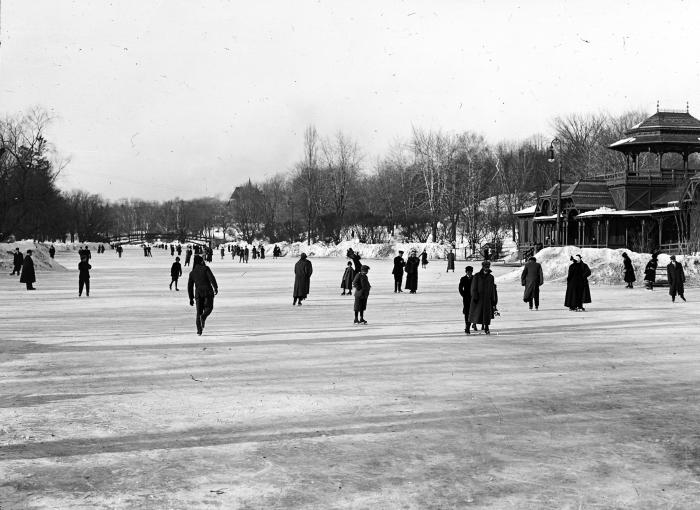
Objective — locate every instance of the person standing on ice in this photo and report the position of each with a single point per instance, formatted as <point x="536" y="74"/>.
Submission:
<point x="577" y="290"/>
<point x="424" y="259"/>
<point x="412" y="272"/>
<point x="52" y="251"/>
<point x="676" y="279"/>
<point x="630" y="277"/>
<point x="650" y="272"/>
<point x="399" y="264"/>
<point x="355" y="257"/>
<point x="484" y="297"/>
<point x="362" y="287"/>
<point x="465" y="290"/>
<point x="302" y="279"/>
<point x="201" y="287"/>
<point x="175" y="273"/>
<point x="246" y="253"/>
<point x="346" y="282"/>
<point x="28" y="277"/>
<point x="450" y="261"/>
<point x="531" y="278"/>
<point x="262" y="251"/>
<point x="84" y="276"/>
<point x="188" y="255"/>
<point x="17" y="261"/>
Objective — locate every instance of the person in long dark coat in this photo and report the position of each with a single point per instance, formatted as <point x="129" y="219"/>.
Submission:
<point x="411" y="270"/>
<point x="175" y="273"/>
<point x="246" y="253"/>
<point x="650" y="272"/>
<point x="630" y="277"/>
<point x="28" y="277"/>
<point x="201" y="287"/>
<point x="302" y="279"/>
<point x="262" y="252"/>
<point x="355" y="257"/>
<point x="424" y="259"/>
<point x="362" y="287"/>
<point x="84" y="276"/>
<point x="346" y="282"/>
<point x="188" y="255"/>
<point x="676" y="279"/>
<point x="484" y="297"/>
<point x="531" y="278"/>
<point x="17" y="261"/>
<point x="451" y="261"/>
<point x="52" y="251"/>
<point x="465" y="290"/>
<point x="577" y="289"/>
<point x="397" y="271"/>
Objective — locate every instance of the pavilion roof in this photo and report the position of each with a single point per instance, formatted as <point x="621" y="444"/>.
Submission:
<point x="588" y="194"/>
<point x="672" y="131"/>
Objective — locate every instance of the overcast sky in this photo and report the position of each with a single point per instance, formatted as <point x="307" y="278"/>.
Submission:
<point x="157" y="99"/>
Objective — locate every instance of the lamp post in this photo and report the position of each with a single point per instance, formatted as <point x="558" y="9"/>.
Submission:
<point x="551" y="159"/>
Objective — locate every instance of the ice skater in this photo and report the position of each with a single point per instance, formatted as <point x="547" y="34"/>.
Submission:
<point x="424" y="259"/>
<point x="465" y="290"/>
<point x="362" y="287"/>
<point x="84" y="276"/>
<point x="531" y="278"/>
<point x="28" y="277"/>
<point x="630" y="277"/>
<point x="52" y="251"/>
<point x="450" y="261"/>
<point x="411" y="270"/>
<point x="302" y="279"/>
<point x="676" y="279"/>
<point x="650" y="272"/>
<point x="188" y="255"/>
<point x="17" y="261"/>
<point x="397" y="271"/>
<point x="484" y="298"/>
<point x="201" y="287"/>
<point x="346" y="282"/>
<point x="175" y="273"/>
<point x="577" y="290"/>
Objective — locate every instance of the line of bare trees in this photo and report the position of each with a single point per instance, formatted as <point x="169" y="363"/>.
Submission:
<point x="451" y="186"/>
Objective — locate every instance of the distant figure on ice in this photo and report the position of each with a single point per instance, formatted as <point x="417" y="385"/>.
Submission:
<point x="17" y="261"/>
<point x="178" y="249"/>
<point x="302" y="279"/>
<point x="399" y="264"/>
<point x="246" y="253"/>
<point x="484" y="298"/>
<point x="172" y="250"/>
<point x="188" y="255"/>
<point x="262" y="251"/>
<point x="465" y="290"/>
<point x="28" y="277"/>
<point x="577" y="290"/>
<point x="84" y="276"/>
<point x="487" y="253"/>
<point x="650" y="272"/>
<point x="255" y="252"/>
<point x="424" y="259"/>
<point x="630" y="277"/>
<point x="276" y="252"/>
<point x="451" y="261"/>
<point x="210" y="253"/>
<point x="201" y="287"/>
<point x="346" y="282"/>
<point x="676" y="279"/>
<point x="412" y="272"/>
<point x="223" y="252"/>
<point x="362" y="287"/>
<point x="531" y="279"/>
<point x="52" y="251"/>
<point x="120" y="250"/>
<point x="175" y="273"/>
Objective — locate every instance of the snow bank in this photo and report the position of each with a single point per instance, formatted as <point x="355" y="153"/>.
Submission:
<point x="605" y="263"/>
<point x="40" y="255"/>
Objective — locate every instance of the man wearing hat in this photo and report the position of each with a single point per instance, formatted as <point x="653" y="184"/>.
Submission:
<point x="399" y="263"/>
<point x="302" y="279"/>
<point x="465" y="290"/>
<point x="362" y="287"/>
<point x="676" y="279"/>
<point x="28" y="277"/>
<point x="17" y="260"/>
<point x="483" y="297"/>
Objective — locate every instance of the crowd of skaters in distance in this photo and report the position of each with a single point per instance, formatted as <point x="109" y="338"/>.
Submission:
<point x="478" y="291"/>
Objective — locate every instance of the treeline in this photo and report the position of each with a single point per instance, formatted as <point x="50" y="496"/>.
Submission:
<point x="453" y="186"/>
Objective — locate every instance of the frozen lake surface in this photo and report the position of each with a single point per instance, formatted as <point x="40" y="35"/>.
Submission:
<point x="113" y="401"/>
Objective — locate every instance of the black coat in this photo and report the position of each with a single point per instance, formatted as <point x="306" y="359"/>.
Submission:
<point x="451" y="261"/>
<point x="27" y="275"/>
<point x="348" y="275"/>
<point x="18" y="259"/>
<point x="465" y="290"/>
<point x="577" y="290"/>
<point x="302" y="277"/>
<point x="399" y="263"/>
<point x="362" y="287"/>
<point x="412" y="273"/>
<point x="484" y="298"/>
<point x="629" y="270"/>
<point x="676" y="278"/>
<point x="202" y="279"/>
<point x="176" y="270"/>
<point x="531" y="278"/>
<point x="650" y="270"/>
<point x="84" y="269"/>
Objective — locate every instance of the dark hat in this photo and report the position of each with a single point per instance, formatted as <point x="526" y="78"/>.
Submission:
<point x="303" y="256"/>
<point x="29" y="252"/>
<point x="365" y="268"/>
<point x="177" y="258"/>
<point x="532" y="259"/>
<point x="198" y="259"/>
<point x="486" y="263"/>
<point x="673" y="257"/>
<point x="400" y="252"/>
<point x="469" y="269"/>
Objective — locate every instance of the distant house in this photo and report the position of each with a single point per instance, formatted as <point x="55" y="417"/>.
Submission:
<point x="645" y="210"/>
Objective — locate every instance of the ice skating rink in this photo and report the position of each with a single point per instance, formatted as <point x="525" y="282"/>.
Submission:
<point x="113" y="401"/>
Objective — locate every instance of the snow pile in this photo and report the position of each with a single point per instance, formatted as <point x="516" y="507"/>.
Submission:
<point x="40" y="256"/>
<point x="606" y="264"/>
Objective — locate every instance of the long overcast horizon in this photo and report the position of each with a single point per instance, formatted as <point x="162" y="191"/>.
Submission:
<point x="190" y="98"/>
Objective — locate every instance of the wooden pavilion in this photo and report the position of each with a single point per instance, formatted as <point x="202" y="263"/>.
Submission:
<point x="633" y="208"/>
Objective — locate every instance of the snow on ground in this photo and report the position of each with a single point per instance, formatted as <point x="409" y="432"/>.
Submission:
<point x="112" y="401"/>
<point x="40" y="255"/>
<point x="605" y="264"/>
